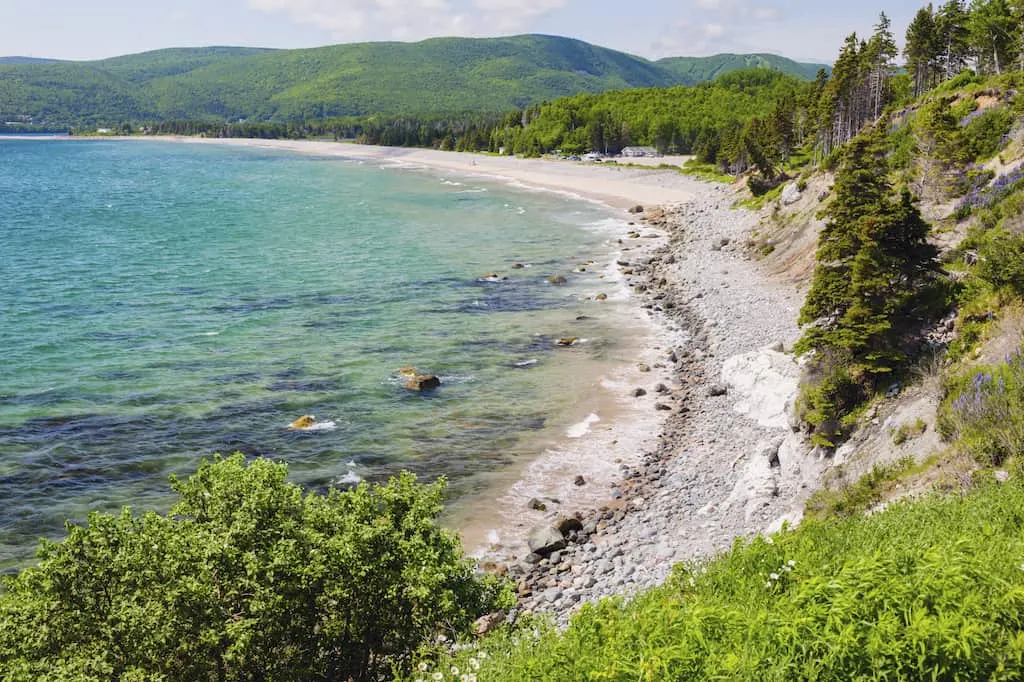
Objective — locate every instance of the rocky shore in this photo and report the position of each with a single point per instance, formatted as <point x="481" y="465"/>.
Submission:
<point x="727" y="464"/>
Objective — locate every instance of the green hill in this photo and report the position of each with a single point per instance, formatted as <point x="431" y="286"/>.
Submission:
<point x="432" y="76"/>
<point x="694" y="70"/>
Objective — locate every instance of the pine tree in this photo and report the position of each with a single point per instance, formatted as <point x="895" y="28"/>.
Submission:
<point x="872" y="257"/>
<point x="922" y="49"/>
<point x="992" y="36"/>
<point x="951" y="31"/>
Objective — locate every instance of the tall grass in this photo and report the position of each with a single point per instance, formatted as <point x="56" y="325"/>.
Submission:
<point x="932" y="590"/>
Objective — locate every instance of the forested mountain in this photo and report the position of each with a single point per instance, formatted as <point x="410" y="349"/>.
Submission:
<point x="432" y="76"/>
<point x="694" y="70"/>
<point x="25" y="60"/>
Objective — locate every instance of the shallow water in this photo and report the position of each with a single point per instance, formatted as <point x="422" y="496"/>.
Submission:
<point x="161" y="303"/>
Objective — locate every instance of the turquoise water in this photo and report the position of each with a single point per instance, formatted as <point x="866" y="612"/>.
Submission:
<point x="163" y="302"/>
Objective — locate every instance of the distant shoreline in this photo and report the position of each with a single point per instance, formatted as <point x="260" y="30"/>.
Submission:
<point x="609" y="184"/>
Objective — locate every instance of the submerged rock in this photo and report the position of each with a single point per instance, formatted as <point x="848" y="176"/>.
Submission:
<point x="556" y="279"/>
<point x="567" y="341"/>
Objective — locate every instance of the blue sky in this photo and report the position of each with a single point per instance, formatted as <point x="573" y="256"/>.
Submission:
<point x="79" y="29"/>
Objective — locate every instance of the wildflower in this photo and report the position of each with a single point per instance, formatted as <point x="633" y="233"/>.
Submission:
<point x="423" y="666"/>
<point x="787" y="569"/>
<point x="482" y="655"/>
<point x="455" y="671"/>
<point x="438" y="676"/>
<point x="774" y="576"/>
<point x="474" y="664"/>
<point x="769" y="585"/>
<point x="791" y="563"/>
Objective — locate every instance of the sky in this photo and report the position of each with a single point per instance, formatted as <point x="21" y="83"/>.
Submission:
<point x="800" y="29"/>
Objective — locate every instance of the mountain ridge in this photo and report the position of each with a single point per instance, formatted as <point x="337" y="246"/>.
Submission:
<point x="437" y="75"/>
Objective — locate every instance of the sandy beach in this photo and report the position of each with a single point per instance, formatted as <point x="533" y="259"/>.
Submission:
<point x="618" y="187"/>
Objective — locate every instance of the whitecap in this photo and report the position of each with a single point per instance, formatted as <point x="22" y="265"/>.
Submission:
<point x="475" y="190"/>
<point x="527" y="363"/>
<point x="351" y="478"/>
<point x="451" y="183"/>
<point x="494" y="538"/>
<point x="583" y="428"/>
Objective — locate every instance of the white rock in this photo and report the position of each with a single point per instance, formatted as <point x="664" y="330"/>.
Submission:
<point x="766" y="381"/>
<point x="790" y="194"/>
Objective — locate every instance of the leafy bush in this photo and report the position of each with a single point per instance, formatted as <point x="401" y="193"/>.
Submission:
<point x="984" y="410"/>
<point x="931" y="590"/>
<point x="828" y="396"/>
<point x="986" y="131"/>
<point x="246" y="579"/>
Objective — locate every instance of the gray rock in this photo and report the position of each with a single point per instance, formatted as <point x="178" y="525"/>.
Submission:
<point x="717" y="390"/>
<point x="555" y="558"/>
<point x="532" y="558"/>
<point x="639" y="393"/>
<point x="534" y="503"/>
<point x="544" y="540"/>
<point x="553" y="594"/>
<point x="566" y="524"/>
<point x="579" y="481"/>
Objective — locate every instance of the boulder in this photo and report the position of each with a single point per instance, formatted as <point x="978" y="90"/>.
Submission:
<point x="416" y="380"/>
<point x="302" y="423"/>
<point x="601" y="297"/>
<point x="636" y="209"/>
<point x="791" y="194"/>
<point x="536" y="504"/>
<point x="487" y="623"/>
<point x="567" y="341"/>
<point x="543" y="540"/>
<point x="639" y="393"/>
<point x="556" y="279"/>
<point x="518" y="266"/>
<point x="766" y="382"/>
<point x="567" y="524"/>
<point x="717" y="390"/>
<point x="579" y="481"/>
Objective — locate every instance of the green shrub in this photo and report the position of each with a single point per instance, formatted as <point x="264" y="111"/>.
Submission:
<point x="932" y="590"/>
<point x="984" y="411"/>
<point x="247" y="578"/>
<point x="828" y="396"/>
<point x="984" y="135"/>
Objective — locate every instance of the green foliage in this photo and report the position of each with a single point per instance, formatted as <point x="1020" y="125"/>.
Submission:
<point x="828" y="396"/>
<point x="983" y="410"/>
<point x="984" y="134"/>
<point x="871" y="283"/>
<point x="857" y="498"/>
<point x="694" y="70"/>
<point x="247" y="578"/>
<point x="433" y="76"/>
<point x="932" y="590"/>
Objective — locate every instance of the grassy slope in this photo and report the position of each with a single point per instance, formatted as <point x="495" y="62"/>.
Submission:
<point x="437" y="75"/>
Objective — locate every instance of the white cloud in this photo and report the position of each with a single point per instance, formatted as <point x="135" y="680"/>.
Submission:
<point x="710" y="28"/>
<point x="410" y="19"/>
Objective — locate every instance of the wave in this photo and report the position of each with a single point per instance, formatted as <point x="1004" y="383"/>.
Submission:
<point x="583" y="428"/>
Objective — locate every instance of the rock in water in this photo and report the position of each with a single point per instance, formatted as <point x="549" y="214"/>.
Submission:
<point x="423" y="382"/>
<point x="544" y="540"/>
<point x="556" y="279"/>
<point x="567" y="341"/>
<point x="416" y="380"/>
<point x="302" y="423"/>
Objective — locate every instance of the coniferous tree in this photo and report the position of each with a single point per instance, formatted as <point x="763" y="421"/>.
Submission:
<point x="873" y="258"/>
<point x="992" y="35"/>
<point x="922" y="49"/>
<point x="951" y="31"/>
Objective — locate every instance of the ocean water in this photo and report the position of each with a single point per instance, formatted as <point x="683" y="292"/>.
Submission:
<point x="163" y="302"/>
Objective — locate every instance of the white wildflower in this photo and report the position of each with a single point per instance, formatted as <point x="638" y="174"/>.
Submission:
<point x="438" y="676"/>
<point x="787" y="569"/>
<point x="774" y="576"/>
<point x="791" y="563"/>
<point x="769" y="585"/>
<point x="769" y="540"/>
<point x="455" y="671"/>
<point x="482" y="655"/>
<point x="475" y="664"/>
<point x="423" y="666"/>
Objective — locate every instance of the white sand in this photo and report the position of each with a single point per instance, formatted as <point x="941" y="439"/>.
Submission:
<point x="615" y="186"/>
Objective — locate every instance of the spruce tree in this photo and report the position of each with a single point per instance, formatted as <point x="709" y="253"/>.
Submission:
<point x="873" y="259"/>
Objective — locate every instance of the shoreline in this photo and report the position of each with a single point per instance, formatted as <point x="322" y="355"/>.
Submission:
<point x="708" y="472"/>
